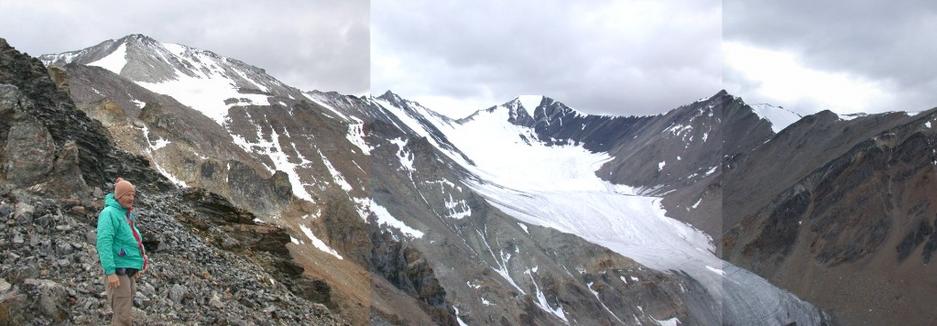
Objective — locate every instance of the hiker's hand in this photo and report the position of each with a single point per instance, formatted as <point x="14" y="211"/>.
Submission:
<point x="139" y="274"/>
<point x="113" y="281"/>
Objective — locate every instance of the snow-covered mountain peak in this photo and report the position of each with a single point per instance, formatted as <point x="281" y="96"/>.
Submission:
<point x="201" y="79"/>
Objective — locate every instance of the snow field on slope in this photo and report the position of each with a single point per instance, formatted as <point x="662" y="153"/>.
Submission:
<point x="318" y="243"/>
<point x="207" y="91"/>
<point x="272" y="149"/>
<point x="779" y="117"/>
<point x="115" y="61"/>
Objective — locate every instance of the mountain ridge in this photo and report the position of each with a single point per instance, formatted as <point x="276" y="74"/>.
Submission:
<point x="399" y="166"/>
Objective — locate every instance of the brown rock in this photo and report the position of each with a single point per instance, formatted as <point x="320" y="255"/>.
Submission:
<point x="78" y="210"/>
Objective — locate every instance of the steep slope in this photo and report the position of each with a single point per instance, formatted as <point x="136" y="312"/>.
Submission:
<point x="181" y="143"/>
<point x="55" y="161"/>
<point x="855" y="233"/>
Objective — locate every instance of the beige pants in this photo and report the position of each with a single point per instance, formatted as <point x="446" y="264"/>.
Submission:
<point x="121" y="300"/>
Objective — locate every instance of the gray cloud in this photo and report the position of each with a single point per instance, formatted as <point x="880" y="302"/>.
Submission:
<point x="308" y="44"/>
<point x="886" y="42"/>
<point x="622" y="57"/>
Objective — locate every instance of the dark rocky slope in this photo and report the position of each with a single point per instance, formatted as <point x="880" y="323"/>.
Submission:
<point x="854" y="235"/>
<point x="56" y="161"/>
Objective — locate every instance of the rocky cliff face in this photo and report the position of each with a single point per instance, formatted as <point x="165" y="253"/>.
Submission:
<point x="854" y="233"/>
<point x="55" y="162"/>
<point x="832" y="208"/>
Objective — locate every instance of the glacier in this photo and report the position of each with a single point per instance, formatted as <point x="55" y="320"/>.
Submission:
<point x="556" y="187"/>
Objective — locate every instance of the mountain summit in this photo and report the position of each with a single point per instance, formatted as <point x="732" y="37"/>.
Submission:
<point x="200" y="79"/>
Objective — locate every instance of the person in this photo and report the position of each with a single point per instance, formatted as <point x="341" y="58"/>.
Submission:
<point x="120" y="250"/>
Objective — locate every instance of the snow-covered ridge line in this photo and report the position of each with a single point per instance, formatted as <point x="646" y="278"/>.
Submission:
<point x="779" y="117"/>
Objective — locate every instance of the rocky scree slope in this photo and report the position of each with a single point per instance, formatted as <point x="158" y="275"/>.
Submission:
<point x="56" y="161"/>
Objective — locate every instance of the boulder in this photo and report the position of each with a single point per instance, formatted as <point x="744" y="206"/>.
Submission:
<point x="29" y="152"/>
<point x="48" y="297"/>
<point x="177" y="293"/>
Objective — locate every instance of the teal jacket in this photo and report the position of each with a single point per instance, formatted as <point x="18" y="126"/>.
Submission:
<point x="117" y="248"/>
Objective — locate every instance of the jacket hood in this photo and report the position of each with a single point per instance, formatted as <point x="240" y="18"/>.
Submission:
<point x="110" y="200"/>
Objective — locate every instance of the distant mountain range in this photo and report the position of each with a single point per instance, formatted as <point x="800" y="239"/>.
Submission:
<point x="531" y="212"/>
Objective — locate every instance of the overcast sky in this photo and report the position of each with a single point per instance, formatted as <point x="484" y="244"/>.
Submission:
<point x="847" y="56"/>
<point x="598" y="56"/>
<point x="623" y="57"/>
<point x="309" y="44"/>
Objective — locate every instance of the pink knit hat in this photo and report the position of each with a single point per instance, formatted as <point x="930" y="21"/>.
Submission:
<point x="122" y="187"/>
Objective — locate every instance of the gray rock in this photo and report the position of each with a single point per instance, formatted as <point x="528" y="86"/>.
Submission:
<point x="148" y="289"/>
<point x="23" y="213"/>
<point x="91" y="236"/>
<point x="18" y="238"/>
<point x="4" y="286"/>
<point x="230" y="243"/>
<point x="63" y="248"/>
<point x="5" y="211"/>
<point x="28" y="153"/>
<point x="139" y="299"/>
<point x="215" y="301"/>
<point x="51" y="297"/>
<point x="139" y="316"/>
<point x="177" y="293"/>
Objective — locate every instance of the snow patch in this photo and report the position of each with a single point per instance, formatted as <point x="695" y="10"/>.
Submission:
<point x="355" y="136"/>
<point x="406" y="158"/>
<point x="384" y="217"/>
<point x="149" y="151"/>
<point x="779" y="117"/>
<point x="319" y="244"/>
<point x="697" y="203"/>
<point x="679" y="129"/>
<point x="274" y="150"/>
<point x="337" y="176"/>
<point x="457" y="209"/>
<point x="160" y="143"/>
<point x="115" y="61"/>
<point x="668" y="322"/>
<point x="596" y="295"/>
<point x="544" y="305"/>
<point x="523" y="226"/>
<point x="457" y="317"/>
